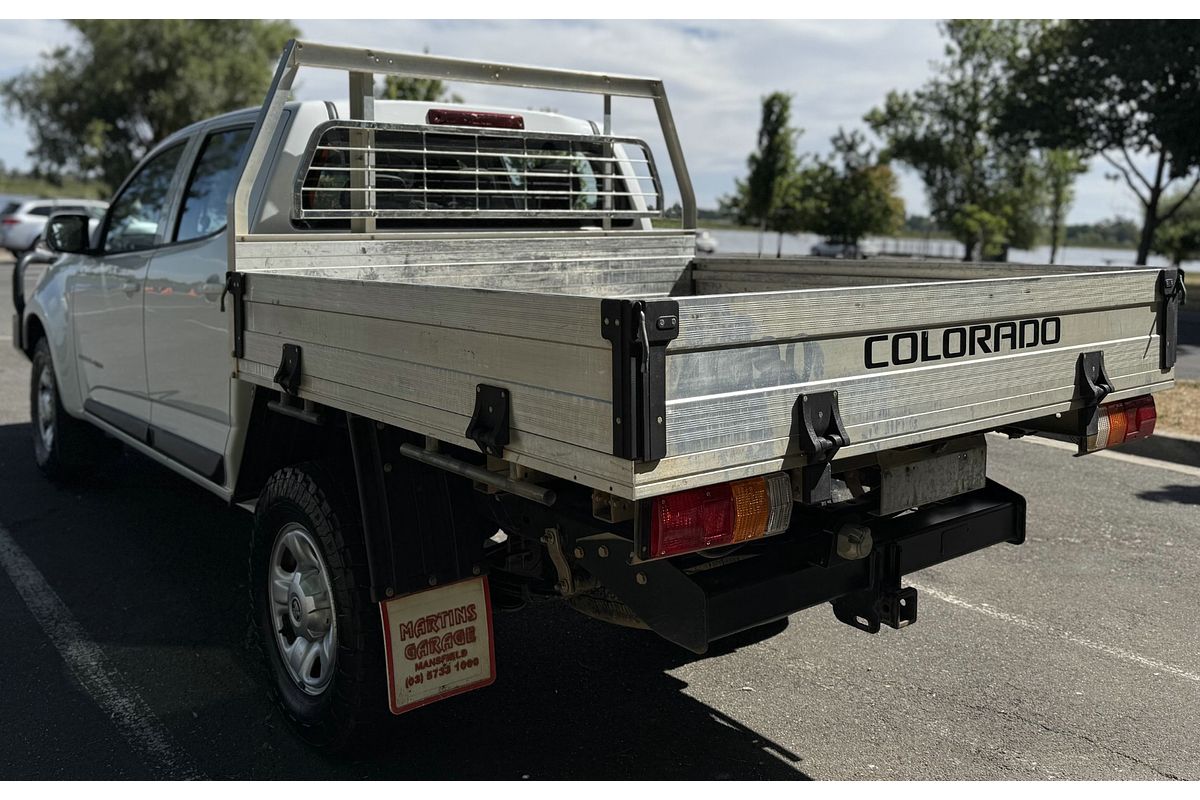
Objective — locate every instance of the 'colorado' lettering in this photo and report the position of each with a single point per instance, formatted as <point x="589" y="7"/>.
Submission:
<point x="912" y="347"/>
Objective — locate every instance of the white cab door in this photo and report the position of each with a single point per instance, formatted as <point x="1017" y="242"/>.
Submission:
<point x="188" y="360"/>
<point x="107" y="297"/>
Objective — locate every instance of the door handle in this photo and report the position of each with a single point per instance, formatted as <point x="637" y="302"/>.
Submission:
<point x="130" y="287"/>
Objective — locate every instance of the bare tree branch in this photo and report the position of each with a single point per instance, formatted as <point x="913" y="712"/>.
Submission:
<point x="1125" y="174"/>
<point x="1135" y="170"/>
<point x="1176" y="205"/>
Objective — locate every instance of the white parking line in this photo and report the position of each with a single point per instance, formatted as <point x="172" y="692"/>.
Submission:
<point x="120" y="701"/>
<point x="1050" y="630"/>
<point x="1115" y="455"/>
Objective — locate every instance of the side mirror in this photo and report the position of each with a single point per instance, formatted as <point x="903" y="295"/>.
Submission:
<point x="68" y="233"/>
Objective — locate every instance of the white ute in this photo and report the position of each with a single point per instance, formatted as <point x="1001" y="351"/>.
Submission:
<point x="447" y="360"/>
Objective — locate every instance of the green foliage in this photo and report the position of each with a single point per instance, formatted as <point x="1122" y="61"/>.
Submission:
<point x="847" y="196"/>
<point x="1060" y="168"/>
<point x="757" y="201"/>
<point x="982" y="187"/>
<point x="921" y="225"/>
<point x="1115" y="232"/>
<point x="429" y="90"/>
<point x="13" y="184"/>
<point x="1179" y="238"/>
<point x="1115" y="87"/>
<point x="97" y="107"/>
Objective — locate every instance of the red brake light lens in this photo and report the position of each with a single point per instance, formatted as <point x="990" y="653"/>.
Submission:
<point x="9" y="221"/>
<point x="474" y="119"/>
<point x="727" y="513"/>
<point x="1122" y="422"/>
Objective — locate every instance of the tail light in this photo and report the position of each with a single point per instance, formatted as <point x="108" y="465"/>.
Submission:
<point x="9" y="221"/>
<point x="1122" y="422"/>
<point x="724" y="514"/>
<point x="474" y="119"/>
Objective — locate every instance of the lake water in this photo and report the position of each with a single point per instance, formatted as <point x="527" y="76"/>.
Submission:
<point x="732" y="241"/>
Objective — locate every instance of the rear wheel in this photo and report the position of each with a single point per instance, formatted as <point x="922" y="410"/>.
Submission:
<point x="64" y="447"/>
<point x="319" y="630"/>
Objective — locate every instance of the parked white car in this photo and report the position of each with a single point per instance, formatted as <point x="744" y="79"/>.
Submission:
<point x="22" y="222"/>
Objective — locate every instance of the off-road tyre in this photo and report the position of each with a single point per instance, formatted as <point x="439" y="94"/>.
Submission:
<point x="353" y="709"/>
<point x="65" y="449"/>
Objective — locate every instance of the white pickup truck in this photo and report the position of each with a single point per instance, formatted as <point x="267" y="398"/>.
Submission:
<point x="449" y="364"/>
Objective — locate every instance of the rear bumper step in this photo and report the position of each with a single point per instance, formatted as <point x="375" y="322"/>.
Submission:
<point x="695" y="609"/>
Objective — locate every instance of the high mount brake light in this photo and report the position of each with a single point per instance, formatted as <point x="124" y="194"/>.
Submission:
<point x="474" y="119"/>
<point x="727" y="513"/>
<point x="1122" y="422"/>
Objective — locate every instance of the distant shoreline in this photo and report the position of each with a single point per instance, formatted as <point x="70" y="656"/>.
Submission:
<point x="722" y="225"/>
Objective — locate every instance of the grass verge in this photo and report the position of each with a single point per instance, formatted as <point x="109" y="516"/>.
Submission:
<point x="1179" y="409"/>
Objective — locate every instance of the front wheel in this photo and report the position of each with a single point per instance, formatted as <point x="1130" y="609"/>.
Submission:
<point x="65" y="448"/>
<point x="320" y="632"/>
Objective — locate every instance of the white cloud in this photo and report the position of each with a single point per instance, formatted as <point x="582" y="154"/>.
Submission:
<point x="715" y="73"/>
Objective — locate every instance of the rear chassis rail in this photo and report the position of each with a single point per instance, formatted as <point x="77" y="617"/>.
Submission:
<point x="696" y="601"/>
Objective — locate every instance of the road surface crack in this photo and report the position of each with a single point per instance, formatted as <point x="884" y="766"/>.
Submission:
<point x="1083" y="737"/>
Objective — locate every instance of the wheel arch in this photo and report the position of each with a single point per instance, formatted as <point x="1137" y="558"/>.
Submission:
<point x="272" y="441"/>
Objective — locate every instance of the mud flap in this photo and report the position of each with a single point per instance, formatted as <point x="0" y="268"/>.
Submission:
<point x="438" y="643"/>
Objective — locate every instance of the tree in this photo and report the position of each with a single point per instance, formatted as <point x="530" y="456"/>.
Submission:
<point x="1179" y="238"/>
<point x="849" y="195"/>
<point x="1116" y="89"/>
<point x="757" y="200"/>
<point x="97" y="107"/>
<point x="798" y="204"/>
<point x="982" y="187"/>
<point x="1060" y="168"/>
<point x="429" y="90"/>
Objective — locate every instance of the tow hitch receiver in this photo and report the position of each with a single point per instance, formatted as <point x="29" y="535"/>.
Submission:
<point x="887" y="604"/>
<point x="920" y="540"/>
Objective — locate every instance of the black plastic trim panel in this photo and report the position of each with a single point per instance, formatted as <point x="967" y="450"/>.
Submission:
<point x="204" y="462"/>
<point x="126" y="423"/>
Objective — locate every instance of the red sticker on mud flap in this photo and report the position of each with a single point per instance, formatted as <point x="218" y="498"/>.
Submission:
<point x="438" y="643"/>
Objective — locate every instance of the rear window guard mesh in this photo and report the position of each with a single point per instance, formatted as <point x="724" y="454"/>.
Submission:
<point x="355" y="169"/>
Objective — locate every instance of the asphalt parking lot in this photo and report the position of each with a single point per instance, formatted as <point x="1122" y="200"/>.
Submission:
<point x="127" y="651"/>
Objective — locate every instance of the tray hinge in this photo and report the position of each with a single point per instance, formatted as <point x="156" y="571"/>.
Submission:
<point x="820" y="434"/>
<point x="639" y="331"/>
<point x="290" y="369"/>
<point x="235" y="284"/>
<point x="489" y="421"/>
<point x="1173" y="291"/>
<point x="1092" y="386"/>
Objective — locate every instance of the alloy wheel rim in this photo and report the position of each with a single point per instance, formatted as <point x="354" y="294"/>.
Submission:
<point x="302" y="612"/>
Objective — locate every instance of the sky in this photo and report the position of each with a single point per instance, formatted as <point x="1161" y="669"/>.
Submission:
<point x="715" y="72"/>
